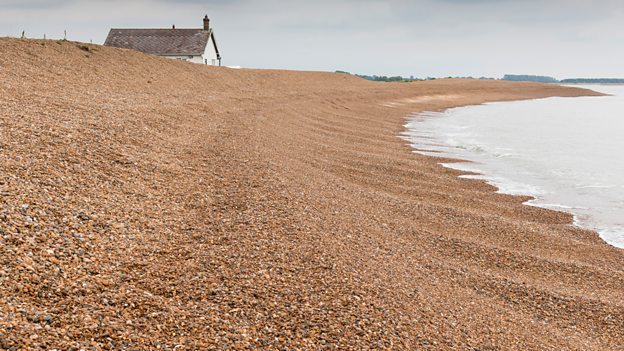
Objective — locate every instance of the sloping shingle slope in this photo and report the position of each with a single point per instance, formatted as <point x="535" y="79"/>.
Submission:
<point x="160" y="41"/>
<point x="151" y="204"/>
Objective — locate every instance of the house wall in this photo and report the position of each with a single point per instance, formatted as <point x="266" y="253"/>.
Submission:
<point x="193" y="59"/>
<point x="210" y="55"/>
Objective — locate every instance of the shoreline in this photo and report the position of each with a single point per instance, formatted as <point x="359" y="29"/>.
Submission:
<point x="479" y="176"/>
<point x="147" y="203"/>
<point x="455" y="162"/>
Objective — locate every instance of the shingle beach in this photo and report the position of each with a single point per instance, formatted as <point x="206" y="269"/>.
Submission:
<point x="150" y="204"/>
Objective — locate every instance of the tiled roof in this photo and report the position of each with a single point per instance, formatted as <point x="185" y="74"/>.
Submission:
<point x="160" y="41"/>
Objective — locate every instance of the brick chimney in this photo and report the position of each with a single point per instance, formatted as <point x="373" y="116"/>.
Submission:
<point x="206" y="23"/>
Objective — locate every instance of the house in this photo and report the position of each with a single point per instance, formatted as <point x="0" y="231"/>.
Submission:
<point x="193" y="45"/>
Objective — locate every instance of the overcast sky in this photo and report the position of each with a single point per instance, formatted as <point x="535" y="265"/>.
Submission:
<point x="561" y="38"/>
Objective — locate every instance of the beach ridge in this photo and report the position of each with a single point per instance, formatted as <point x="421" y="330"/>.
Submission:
<point x="147" y="203"/>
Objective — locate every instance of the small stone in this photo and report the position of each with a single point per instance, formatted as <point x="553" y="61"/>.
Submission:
<point x="4" y="344"/>
<point x="34" y="319"/>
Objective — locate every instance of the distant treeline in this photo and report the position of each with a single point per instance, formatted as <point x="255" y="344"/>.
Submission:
<point x="593" y="81"/>
<point x="510" y="77"/>
<point x="387" y="79"/>
<point x="529" y="78"/>
<point x="376" y="78"/>
<point x="546" y="79"/>
<point x="383" y="78"/>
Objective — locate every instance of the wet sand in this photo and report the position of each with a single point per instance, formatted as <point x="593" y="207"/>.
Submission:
<point x="154" y="204"/>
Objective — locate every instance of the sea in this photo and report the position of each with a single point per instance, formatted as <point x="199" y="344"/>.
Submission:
<point x="567" y="153"/>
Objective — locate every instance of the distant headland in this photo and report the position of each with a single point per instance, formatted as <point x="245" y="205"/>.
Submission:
<point x="508" y="77"/>
<point x="546" y="79"/>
